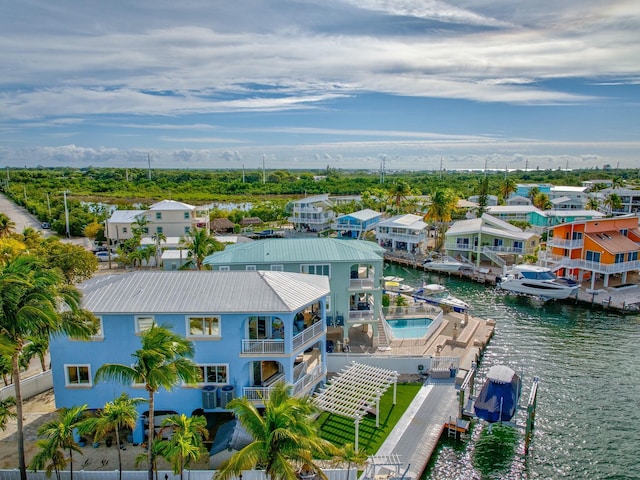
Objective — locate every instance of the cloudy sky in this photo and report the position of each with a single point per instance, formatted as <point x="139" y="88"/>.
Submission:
<point x="311" y="83"/>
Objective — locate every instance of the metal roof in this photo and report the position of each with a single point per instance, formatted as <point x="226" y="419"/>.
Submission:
<point x="202" y="292"/>
<point x="297" y="250"/>
<point x="125" y="216"/>
<point x="408" y="220"/>
<point x="365" y="214"/>
<point x="171" y="205"/>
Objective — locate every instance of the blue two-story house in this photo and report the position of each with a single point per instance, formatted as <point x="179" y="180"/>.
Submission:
<point x="356" y="224"/>
<point x="250" y="329"/>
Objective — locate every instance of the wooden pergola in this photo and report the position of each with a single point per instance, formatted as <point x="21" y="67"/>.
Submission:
<point x="356" y="390"/>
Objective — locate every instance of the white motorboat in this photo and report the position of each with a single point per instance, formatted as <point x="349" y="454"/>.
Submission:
<point x="537" y="281"/>
<point x="436" y="294"/>
<point x="395" y="286"/>
<point x="443" y="264"/>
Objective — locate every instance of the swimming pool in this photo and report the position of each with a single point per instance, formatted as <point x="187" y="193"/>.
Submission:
<point x="409" y="327"/>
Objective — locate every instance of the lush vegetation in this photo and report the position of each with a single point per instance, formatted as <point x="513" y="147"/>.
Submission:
<point x="91" y="190"/>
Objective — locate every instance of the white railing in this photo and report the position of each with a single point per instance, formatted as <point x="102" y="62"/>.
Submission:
<point x="258" y="347"/>
<point x="362" y="283"/>
<point x="444" y="363"/>
<point x="403" y="237"/>
<point x="497" y="259"/>
<point x="310" y="379"/>
<point x="459" y="246"/>
<point x="599" y="267"/>
<point x="299" y="370"/>
<point x="562" y="243"/>
<point x="356" y="316"/>
<point x="308" y="334"/>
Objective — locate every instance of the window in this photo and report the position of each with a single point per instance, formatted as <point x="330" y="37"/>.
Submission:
<point x="187" y="216"/>
<point x="187" y="230"/>
<point x="213" y="374"/>
<point x="277" y="268"/>
<point x="633" y="256"/>
<point x="517" y="246"/>
<point x="77" y="375"/>
<point x="250" y="268"/>
<point x="592" y="256"/>
<point x="462" y="242"/>
<point x="158" y="229"/>
<point x="316" y="270"/>
<point x="619" y="258"/>
<point x="158" y="215"/>
<point x="327" y="303"/>
<point x="143" y="323"/>
<point x="224" y="268"/>
<point x="99" y="335"/>
<point x="204" y="326"/>
<point x="124" y="229"/>
<point x="497" y="242"/>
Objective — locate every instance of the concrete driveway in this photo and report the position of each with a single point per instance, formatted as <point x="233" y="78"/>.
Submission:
<point x="19" y="215"/>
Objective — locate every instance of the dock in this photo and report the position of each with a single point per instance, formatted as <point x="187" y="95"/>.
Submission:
<point x="416" y="435"/>
<point x="623" y="299"/>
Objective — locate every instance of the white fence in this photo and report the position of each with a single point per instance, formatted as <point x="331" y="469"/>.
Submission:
<point x="29" y="387"/>
<point x="334" y="474"/>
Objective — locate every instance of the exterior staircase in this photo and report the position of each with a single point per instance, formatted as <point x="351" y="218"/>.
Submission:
<point x="494" y="257"/>
<point x="383" y="339"/>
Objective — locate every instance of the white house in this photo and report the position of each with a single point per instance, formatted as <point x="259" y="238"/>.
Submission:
<point x="403" y="232"/>
<point x="311" y="214"/>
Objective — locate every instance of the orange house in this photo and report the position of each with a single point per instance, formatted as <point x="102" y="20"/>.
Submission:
<point x="591" y="249"/>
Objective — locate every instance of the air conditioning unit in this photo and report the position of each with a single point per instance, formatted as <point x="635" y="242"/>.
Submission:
<point x="209" y="397"/>
<point x="226" y="395"/>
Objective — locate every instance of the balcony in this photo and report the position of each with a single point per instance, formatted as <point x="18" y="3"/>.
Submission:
<point x="598" y="267"/>
<point x="420" y="236"/>
<point x="262" y="347"/>
<point x="312" y="332"/>
<point x="367" y="283"/>
<point x="360" y="316"/>
<point x="258" y="394"/>
<point x="562" y="243"/>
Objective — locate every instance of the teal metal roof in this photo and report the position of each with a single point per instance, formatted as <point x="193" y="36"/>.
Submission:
<point x="297" y="250"/>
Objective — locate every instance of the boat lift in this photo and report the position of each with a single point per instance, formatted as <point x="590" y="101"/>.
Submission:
<point x="467" y="398"/>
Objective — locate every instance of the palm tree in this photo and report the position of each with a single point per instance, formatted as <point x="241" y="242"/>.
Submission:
<point x="398" y="193"/>
<point x="592" y="204"/>
<point x="162" y="361"/>
<point x="443" y="202"/>
<point x="116" y="415"/>
<point x="507" y="187"/>
<point x="50" y="458"/>
<point x="349" y="455"/>
<point x="158" y="238"/>
<point x="285" y="437"/>
<point x="199" y="245"/>
<point x="185" y="444"/>
<point x="541" y="201"/>
<point x="59" y="436"/>
<point x="37" y="346"/>
<point x="533" y="191"/>
<point x="6" y="411"/>
<point x="7" y="226"/>
<point x="612" y="202"/>
<point x="30" y="297"/>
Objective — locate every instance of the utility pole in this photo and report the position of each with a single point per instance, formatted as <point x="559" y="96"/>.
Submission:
<point x="526" y="165"/>
<point x="49" y="206"/>
<point x="7" y="177"/>
<point x="441" y="160"/>
<point x="486" y="160"/>
<point x="149" y="163"/>
<point x="383" y="159"/>
<point x="243" y="173"/>
<point x="66" y="214"/>
<point x="264" y="174"/>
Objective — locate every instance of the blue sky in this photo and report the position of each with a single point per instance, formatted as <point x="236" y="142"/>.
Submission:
<point x="306" y="84"/>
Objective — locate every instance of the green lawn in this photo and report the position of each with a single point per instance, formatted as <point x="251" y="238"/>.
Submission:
<point x="340" y="430"/>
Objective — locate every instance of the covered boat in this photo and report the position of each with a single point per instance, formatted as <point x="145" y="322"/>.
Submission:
<point x="436" y="294"/>
<point x="499" y="396"/>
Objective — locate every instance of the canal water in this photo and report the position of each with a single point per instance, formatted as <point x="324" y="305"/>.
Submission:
<point x="588" y="362"/>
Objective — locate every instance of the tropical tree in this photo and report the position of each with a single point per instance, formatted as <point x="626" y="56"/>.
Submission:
<point x="398" y="193"/>
<point x="483" y="196"/>
<point x="59" y="436"/>
<point x="76" y="263"/>
<point x="186" y="441"/>
<point x="50" y="458"/>
<point x="612" y="202"/>
<point x="443" y="202"/>
<point x="507" y="187"/>
<point x="162" y="361"/>
<point x="36" y="346"/>
<point x="199" y="245"/>
<point x="30" y="297"/>
<point x="617" y="182"/>
<point x="592" y="204"/>
<point x="285" y="437"/>
<point x="158" y="238"/>
<point x="7" y="226"/>
<point x="541" y="201"/>
<point x="6" y="411"/>
<point x="352" y="457"/>
<point x="533" y="191"/>
<point x="116" y="415"/>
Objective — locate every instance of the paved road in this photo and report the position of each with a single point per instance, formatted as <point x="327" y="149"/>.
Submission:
<point x="19" y="215"/>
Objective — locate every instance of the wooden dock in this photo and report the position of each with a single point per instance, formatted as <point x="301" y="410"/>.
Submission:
<point x="415" y="437"/>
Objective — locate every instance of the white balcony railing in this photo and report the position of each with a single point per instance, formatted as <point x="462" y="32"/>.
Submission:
<point x="308" y="334"/>
<point x="307" y="381"/>
<point x="562" y="243"/>
<point x="261" y="347"/>
<point x="598" y="267"/>
<point x="362" y="283"/>
<point x="357" y="316"/>
<point x="403" y="237"/>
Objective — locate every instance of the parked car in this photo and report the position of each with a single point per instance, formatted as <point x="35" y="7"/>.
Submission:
<point x="104" y="256"/>
<point x="45" y="225"/>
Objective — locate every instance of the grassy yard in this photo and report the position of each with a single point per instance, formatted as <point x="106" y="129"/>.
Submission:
<point x="340" y="430"/>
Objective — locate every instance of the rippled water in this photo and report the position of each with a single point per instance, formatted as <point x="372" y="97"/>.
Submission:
<point x="588" y="362"/>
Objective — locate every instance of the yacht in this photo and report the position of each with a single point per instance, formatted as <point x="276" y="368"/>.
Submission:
<point x="499" y="396"/>
<point x="443" y="264"/>
<point x="436" y="294"/>
<point x="538" y="281"/>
